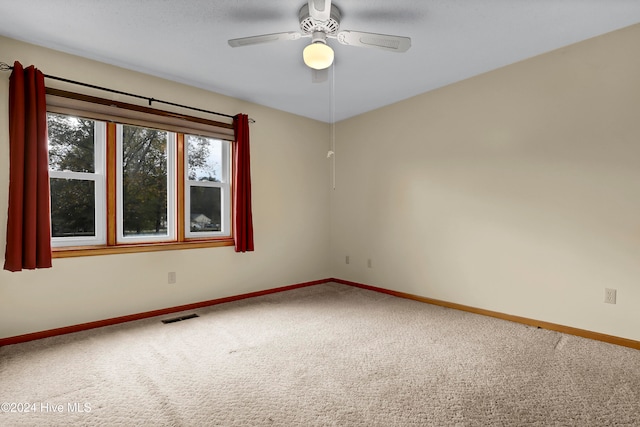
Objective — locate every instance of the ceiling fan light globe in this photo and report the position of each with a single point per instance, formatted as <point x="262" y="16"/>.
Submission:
<point x="318" y="56"/>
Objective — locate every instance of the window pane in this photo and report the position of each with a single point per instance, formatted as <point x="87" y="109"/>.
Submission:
<point x="71" y="143"/>
<point x="204" y="159"/>
<point x="72" y="208"/>
<point x="205" y="209"/>
<point x="144" y="186"/>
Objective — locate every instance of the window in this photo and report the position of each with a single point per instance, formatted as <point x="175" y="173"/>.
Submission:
<point x="76" y="173"/>
<point x="207" y="187"/>
<point x="145" y="178"/>
<point x="129" y="185"/>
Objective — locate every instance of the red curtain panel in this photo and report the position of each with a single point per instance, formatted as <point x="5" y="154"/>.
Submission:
<point x="29" y="220"/>
<point x="243" y="219"/>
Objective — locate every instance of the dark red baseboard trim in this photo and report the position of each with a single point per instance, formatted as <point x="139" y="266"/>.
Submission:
<point x="526" y="321"/>
<point x="122" y="319"/>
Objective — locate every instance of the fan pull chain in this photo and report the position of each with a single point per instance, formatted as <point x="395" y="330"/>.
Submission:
<point x="333" y="124"/>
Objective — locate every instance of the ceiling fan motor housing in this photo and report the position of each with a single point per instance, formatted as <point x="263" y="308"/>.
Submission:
<point x="308" y="25"/>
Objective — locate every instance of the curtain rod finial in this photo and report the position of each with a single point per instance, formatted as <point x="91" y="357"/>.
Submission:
<point x="5" y="67"/>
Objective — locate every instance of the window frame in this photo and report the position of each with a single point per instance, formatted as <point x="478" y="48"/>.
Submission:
<point x="98" y="177"/>
<point x="171" y="192"/>
<point x="225" y="190"/>
<point x="113" y="113"/>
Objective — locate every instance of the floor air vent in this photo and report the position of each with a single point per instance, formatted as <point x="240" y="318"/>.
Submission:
<point x="178" y="319"/>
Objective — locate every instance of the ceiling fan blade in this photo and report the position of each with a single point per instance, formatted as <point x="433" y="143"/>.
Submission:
<point x="320" y="10"/>
<point x="379" y="41"/>
<point x="266" y="38"/>
<point x="320" y="76"/>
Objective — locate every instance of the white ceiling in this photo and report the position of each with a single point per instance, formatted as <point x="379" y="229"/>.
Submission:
<point x="186" y="41"/>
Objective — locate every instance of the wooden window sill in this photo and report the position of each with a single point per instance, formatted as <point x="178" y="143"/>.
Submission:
<point x="77" y="251"/>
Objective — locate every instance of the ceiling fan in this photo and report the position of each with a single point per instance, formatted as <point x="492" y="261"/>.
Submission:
<point x="320" y="20"/>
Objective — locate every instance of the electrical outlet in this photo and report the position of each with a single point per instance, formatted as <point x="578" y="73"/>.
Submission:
<point x="610" y="296"/>
<point x="346" y="259"/>
<point x="171" y="277"/>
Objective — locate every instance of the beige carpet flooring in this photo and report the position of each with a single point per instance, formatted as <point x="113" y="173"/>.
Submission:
<point x="326" y="355"/>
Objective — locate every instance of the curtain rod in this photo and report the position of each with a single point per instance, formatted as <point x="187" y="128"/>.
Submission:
<point x="7" y="67"/>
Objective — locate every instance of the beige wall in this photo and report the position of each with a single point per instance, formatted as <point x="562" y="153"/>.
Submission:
<point x="516" y="191"/>
<point x="290" y="198"/>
